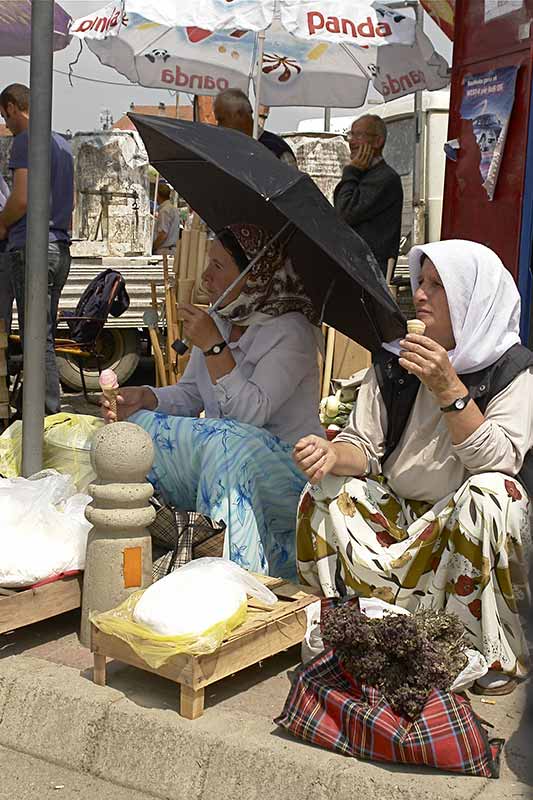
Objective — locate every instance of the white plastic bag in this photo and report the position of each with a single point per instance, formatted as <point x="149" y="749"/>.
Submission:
<point x="43" y="529"/>
<point x="476" y="667"/>
<point x="198" y="597"/>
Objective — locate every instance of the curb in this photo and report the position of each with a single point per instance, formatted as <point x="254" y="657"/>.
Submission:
<point x="52" y="712"/>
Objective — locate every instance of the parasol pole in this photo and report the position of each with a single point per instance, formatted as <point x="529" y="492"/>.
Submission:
<point x="258" y="78"/>
<point x="327" y="120"/>
<point x="36" y="283"/>
<point x="418" y="202"/>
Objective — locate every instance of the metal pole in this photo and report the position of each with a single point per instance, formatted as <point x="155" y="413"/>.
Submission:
<point x="327" y="119"/>
<point x="259" y="74"/>
<point x="419" y="202"/>
<point x="36" y="279"/>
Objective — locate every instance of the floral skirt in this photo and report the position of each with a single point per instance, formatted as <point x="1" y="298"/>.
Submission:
<point x="466" y="554"/>
<point x="232" y="472"/>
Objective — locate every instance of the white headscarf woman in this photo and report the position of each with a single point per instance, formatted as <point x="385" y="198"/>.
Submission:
<point x="483" y="300"/>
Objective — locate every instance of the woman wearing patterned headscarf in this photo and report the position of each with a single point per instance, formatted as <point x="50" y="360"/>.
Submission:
<point x="254" y="373"/>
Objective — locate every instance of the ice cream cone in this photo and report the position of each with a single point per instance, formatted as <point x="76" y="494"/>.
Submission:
<point x="110" y="389"/>
<point x="416" y="326"/>
<point x="111" y="396"/>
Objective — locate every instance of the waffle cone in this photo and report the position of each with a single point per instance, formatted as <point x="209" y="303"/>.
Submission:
<point x="416" y="326"/>
<point x="111" y="396"/>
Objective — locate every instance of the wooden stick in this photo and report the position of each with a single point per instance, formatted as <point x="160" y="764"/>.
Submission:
<point x="328" y="364"/>
<point x="153" y="293"/>
<point x="160" y="371"/>
<point x="184" y="254"/>
<point x="193" y="254"/>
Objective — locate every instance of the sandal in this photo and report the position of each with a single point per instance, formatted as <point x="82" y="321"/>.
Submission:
<point x="496" y="691"/>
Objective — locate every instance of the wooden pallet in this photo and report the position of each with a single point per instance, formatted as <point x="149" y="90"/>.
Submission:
<point x="20" y="608"/>
<point x="263" y="634"/>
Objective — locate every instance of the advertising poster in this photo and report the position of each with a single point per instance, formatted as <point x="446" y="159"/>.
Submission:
<point x="499" y="8"/>
<point x="488" y="102"/>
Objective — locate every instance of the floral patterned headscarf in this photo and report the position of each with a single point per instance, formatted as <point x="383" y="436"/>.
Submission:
<point x="272" y="287"/>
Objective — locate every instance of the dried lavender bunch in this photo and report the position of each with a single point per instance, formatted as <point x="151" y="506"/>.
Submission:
<point x="405" y="657"/>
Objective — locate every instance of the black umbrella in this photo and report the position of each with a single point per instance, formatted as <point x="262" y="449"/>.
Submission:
<point x="228" y="177"/>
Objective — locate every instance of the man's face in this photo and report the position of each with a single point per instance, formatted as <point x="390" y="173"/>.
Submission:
<point x="363" y="132"/>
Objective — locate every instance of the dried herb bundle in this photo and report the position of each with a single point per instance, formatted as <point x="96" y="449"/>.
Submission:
<point x="405" y="657"/>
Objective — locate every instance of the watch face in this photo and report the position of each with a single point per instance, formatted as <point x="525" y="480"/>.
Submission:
<point x="217" y="349"/>
<point x="460" y="404"/>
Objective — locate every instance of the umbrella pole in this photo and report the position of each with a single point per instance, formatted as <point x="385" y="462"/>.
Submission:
<point x="38" y="215"/>
<point x="258" y="78"/>
<point x="154" y="218"/>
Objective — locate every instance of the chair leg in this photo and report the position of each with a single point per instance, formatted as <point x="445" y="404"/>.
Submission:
<point x="82" y="376"/>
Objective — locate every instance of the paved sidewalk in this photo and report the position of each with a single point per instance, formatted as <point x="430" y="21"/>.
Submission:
<point x="130" y="733"/>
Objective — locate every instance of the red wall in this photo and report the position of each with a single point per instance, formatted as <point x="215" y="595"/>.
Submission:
<point x="468" y="213"/>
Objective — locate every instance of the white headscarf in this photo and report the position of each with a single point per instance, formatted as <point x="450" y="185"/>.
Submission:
<point x="483" y="300"/>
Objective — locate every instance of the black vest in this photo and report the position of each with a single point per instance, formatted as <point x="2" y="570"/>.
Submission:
<point x="399" y="389"/>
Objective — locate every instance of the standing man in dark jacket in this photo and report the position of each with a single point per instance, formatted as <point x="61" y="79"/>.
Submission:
<point x="370" y="195"/>
<point x="15" y="110"/>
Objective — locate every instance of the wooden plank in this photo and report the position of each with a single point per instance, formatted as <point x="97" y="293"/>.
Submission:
<point x="4" y="391"/>
<point x="34" y="605"/>
<point x="4" y="410"/>
<point x="177" y="669"/>
<point x="239" y="653"/>
<point x="191" y="702"/>
<point x="349" y="357"/>
<point x="3" y="363"/>
<point x="3" y="341"/>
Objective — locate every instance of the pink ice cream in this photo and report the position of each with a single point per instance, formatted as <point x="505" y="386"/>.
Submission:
<point x="108" y="380"/>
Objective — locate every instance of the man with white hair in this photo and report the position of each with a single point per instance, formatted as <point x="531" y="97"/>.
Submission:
<point x="232" y="109"/>
<point x="369" y="196"/>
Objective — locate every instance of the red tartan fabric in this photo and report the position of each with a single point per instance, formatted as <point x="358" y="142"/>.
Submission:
<point x="328" y="708"/>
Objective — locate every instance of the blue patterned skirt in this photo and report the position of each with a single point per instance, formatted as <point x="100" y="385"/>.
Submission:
<point x="233" y="472"/>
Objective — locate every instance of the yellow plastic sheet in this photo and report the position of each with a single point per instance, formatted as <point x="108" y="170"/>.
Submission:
<point x="154" y="648"/>
<point x="66" y="448"/>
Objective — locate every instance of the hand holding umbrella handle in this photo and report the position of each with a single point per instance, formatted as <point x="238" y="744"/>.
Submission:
<point x="182" y="345"/>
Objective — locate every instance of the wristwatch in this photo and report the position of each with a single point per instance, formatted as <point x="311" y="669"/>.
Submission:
<point x="459" y="404"/>
<point x="216" y="349"/>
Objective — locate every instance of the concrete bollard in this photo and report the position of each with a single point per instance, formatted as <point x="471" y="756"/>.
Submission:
<point x="119" y="548"/>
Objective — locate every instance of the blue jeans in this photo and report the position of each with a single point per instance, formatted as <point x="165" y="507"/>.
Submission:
<point x="58" y="270"/>
<point x="6" y="289"/>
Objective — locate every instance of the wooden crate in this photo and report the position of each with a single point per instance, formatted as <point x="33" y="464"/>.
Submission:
<point x="263" y="634"/>
<point x="20" y="608"/>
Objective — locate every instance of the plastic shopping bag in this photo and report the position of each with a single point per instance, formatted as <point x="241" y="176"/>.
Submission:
<point x="43" y="529"/>
<point x="191" y="610"/>
<point x="66" y="447"/>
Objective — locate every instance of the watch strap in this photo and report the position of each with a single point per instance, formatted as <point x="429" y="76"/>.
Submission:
<point x="216" y="349"/>
<point x="457" y="405"/>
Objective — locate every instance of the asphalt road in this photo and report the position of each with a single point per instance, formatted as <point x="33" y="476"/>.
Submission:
<point x="23" y="777"/>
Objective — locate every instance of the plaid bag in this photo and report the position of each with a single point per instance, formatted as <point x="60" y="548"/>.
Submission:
<point x="328" y="708"/>
<point x="181" y="536"/>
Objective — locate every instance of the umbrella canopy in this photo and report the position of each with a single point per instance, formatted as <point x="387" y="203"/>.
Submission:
<point x="228" y="177"/>
<point x="361" y="22"/>
<point x="15" y="28"/>
<point x="303" y="64"/>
